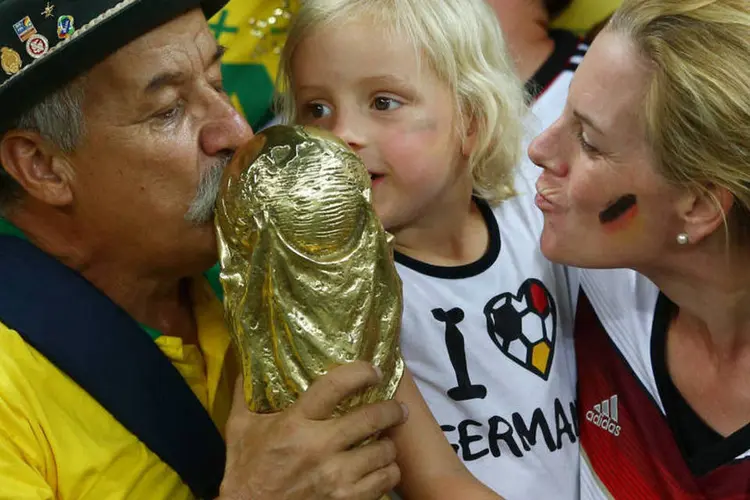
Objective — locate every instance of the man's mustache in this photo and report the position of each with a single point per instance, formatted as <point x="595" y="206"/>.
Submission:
<point x="201" y="209"/>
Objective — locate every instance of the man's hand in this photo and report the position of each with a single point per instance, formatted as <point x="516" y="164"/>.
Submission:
<point x="303" y="453"/>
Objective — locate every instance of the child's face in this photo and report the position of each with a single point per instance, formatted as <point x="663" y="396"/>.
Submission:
<point x="371" y="91"/>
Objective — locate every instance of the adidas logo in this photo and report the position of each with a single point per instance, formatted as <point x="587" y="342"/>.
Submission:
<point x="604" y="415"/>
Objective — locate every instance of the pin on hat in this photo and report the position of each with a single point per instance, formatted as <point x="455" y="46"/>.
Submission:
<point x="65" y="27"/>
<point x="10" y="61"/>
<point x="37" y="46"/>
<point x="24" y="29"/>
<point x="48" y="10"/>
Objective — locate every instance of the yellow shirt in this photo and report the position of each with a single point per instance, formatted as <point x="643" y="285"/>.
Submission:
<point x="56" y="442"/>
<point x="582" y="15"/>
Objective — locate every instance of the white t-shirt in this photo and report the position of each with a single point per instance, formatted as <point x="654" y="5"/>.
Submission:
<point x="490" y="344"/>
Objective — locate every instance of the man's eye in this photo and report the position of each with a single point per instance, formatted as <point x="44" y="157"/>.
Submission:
<point x="170" y="114"/>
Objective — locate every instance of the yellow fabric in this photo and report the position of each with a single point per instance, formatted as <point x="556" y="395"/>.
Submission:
<point x="582" y="15"/>
<point x="247" y="38"/>
<point x="253" y="32"/>
<point x="56" y="442"/>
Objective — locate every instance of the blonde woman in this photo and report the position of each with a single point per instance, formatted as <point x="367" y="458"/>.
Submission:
<point x="426" y="94"/>
<point x="649" y="169"/>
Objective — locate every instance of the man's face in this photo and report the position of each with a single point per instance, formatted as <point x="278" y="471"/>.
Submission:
<point x="510" y="13"/>
<point x="157" y="122"/>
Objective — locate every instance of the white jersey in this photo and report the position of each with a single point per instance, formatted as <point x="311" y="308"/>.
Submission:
<point x="549" y="86"/>
<point x="490" y="344"/>
<point x="639" y="438"/>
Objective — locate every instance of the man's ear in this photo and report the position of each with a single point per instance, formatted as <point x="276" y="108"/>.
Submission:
<point x="38" y="167"/>
<point x="704" y="211"/>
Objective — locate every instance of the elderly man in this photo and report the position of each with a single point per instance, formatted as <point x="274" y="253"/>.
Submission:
<point x="115" y="377"/>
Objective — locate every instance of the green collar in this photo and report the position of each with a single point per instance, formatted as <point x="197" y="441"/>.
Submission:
<point x="9" y="229"/>
<point x="6" y="228"/>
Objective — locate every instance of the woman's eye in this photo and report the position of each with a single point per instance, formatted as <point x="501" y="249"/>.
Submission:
<point x="585" y="146"/>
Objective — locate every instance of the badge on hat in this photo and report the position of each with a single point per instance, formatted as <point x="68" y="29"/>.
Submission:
<point x="65" y="27"/>
<point x="48" y="10"/>
<point x="24" y="29"/>
<point x="37" y="46"/>
<point x="10" y="61"/>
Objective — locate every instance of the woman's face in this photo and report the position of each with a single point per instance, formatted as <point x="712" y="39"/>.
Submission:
<point x="603" y="202"/>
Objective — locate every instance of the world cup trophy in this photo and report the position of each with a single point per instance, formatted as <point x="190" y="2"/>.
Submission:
<point x="307" y="268"/>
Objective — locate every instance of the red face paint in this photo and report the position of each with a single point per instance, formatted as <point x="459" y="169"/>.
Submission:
<point x="620" y="213"/>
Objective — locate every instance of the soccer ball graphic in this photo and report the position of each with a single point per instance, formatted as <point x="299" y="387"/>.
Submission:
<point x="523" y="326"/>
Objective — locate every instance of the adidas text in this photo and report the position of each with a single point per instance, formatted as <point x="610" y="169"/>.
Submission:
<point x="604" y="415"/>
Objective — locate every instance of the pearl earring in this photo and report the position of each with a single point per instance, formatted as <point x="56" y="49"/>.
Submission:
<point x="683" y="239"/>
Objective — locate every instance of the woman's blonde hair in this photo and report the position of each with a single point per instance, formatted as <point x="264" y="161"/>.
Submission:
<point x="697" y="107"/>
<point x="462" y="43"/>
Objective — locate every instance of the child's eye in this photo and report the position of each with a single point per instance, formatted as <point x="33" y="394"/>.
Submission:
<point x="318" y="110"/>
<point x="385" y="104"/>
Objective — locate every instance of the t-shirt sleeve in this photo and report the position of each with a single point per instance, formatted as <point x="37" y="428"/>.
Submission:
<point x="21" y="476"/>
<point x="25" y="459"/>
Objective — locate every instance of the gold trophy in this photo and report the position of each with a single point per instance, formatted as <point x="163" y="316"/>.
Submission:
<point x="307" y="268"/>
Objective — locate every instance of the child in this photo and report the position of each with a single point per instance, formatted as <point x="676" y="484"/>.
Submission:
<point x="425" y="93"/>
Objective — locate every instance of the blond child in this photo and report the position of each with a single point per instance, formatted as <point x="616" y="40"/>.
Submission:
<point x="425" y="92"/>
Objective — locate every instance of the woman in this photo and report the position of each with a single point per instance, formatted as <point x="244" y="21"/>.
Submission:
<point x="649" y="169"/>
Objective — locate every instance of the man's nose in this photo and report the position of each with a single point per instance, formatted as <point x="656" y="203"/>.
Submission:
<point x="226" y="131"/>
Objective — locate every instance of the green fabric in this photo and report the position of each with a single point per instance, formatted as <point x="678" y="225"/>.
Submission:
<point x="253" y="88"/>
<point x="9" y="229"/>
<point x="212" y="275"/>
<point x="152" y="332"/>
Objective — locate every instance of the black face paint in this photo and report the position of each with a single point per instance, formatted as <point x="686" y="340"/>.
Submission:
<point x="618" y="209"/>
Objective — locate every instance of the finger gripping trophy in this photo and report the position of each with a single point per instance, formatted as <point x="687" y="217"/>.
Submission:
<point x="307" y="268"/>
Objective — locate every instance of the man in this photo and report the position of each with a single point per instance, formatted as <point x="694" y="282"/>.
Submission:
<point x="545" y="58"/>
<point x="526" y="25"/>
<point x="115" y="376"/>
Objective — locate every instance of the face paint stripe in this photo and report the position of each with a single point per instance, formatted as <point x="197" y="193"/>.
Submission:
<point x="618" y="209"/>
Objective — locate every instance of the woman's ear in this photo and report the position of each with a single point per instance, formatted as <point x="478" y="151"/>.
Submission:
<point x="704" y="211"/>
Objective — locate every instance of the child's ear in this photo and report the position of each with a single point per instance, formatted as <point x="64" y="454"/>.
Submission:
<point x="470" y="138"/>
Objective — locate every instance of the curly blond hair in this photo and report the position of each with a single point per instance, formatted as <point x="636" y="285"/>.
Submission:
<point x="462" y="42"/>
